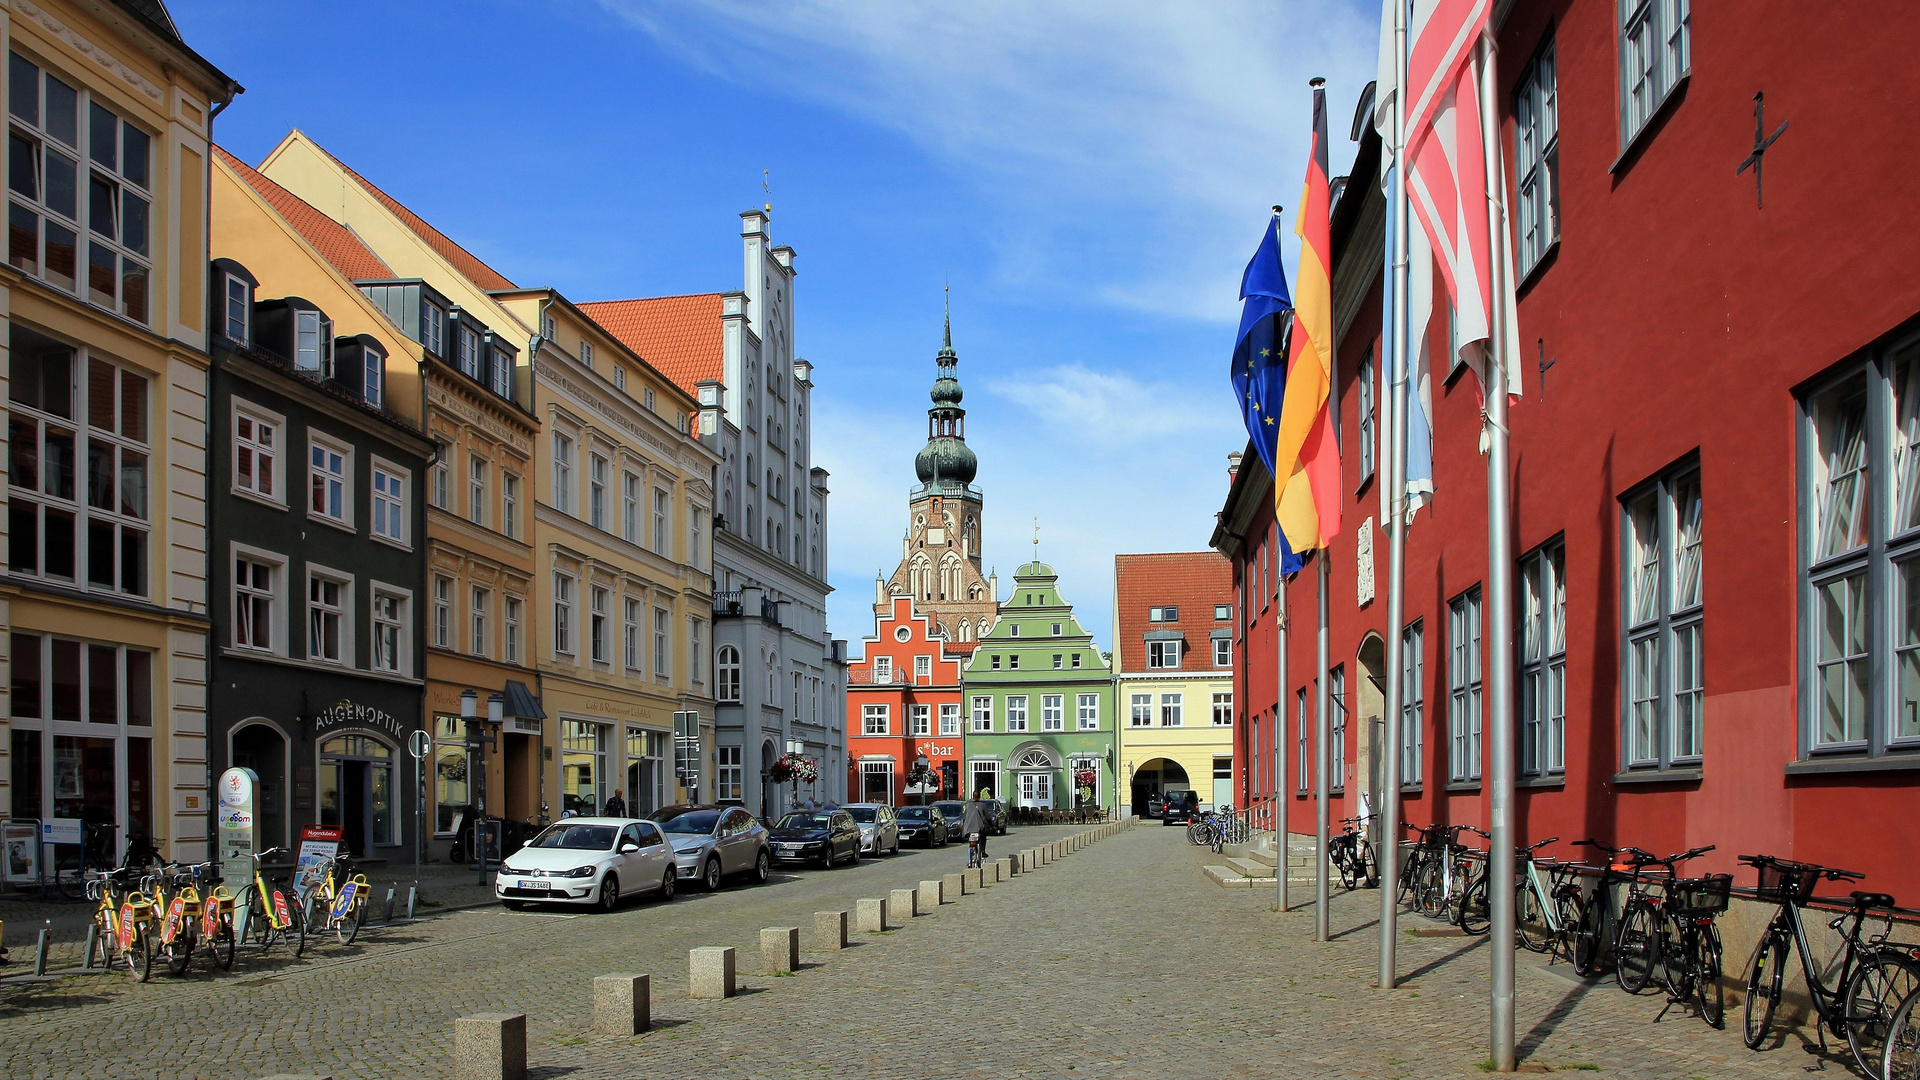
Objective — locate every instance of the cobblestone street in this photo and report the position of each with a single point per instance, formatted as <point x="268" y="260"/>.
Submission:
<point x="1122" y="960"/>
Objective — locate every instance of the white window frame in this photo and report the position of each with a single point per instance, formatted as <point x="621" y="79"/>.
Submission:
<point x="433" y="328"/>
<point x="729" y="773"/>
<point x="727" y="674"/>
<point x="387" y="519"/>
<point x="1337" y="729"/>
<point x="662" y="645"/>
<point x="920" y="721"/>
<point x="236" y="320"/>
<point x="1163" y="655"/>
<point x="1223" y="708"/>
<point x="478" y="601"/>
<point x="597" y="490"/>
<point x="510" y="504"/>
<point x="1464" y="700"/>
<point x="630" y="506"/>
<point x="950" y="720"/>
<point x="275" y="453"/>
<point x="630" y="634"/>
<point x="1140" y="710"/>
<point x="1016" y="712"/>
<point x="1223" y="652"/>
<point x="876" y="720"/>
<point x="1173" y="705"/>
<point x="563" y="450"/>
<point x="981" y="719"/>
<point x="342" y="614"/>
<point x="274" y="595"/>
<point x="563" y="615"/>
<point x="398" y="625"/>
<point x="599" y="607"/>
<point x="883" y="669"/>
<point x="477" y="467"/>
<point x="321" y="471"/>
<point x="510" y="629"/>
<point x="442" y="611"/>
<point x="1053" y="712"/>
<point x="1087" y="711"/>
<point x="1364" y="392"/>
<point x="662" y="520"/>
<point x="1303" y="766"/>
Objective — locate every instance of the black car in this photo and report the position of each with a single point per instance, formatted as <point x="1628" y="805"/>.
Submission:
<point x="956" y="812"/>
<point x="1180" y="810"/>
<point x="925" y="826"/>
<point x="827" y="837"/>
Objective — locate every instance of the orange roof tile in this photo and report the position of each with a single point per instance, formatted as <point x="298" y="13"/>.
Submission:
<point x="1193" y="581"/>
<point x="335" y="242"/>
<point x="678" y="335"/>
<point x="469" y="264"/>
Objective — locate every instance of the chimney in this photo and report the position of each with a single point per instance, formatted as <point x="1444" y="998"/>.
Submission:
<point x="879" y="589"/>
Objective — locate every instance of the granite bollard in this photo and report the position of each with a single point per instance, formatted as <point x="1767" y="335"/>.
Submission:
<point x="902" y="906"/>
<point x="780" y="949"/>
<point x="710" y="971"/>
<point x="970" y="880"/>
<point x="622" y="1004"/>
<point x="829" y="931"/>
<point x="871" y="915"/>
<point x="1002" y="869"/>
<point x="951" y="886"/>
<point x="490" y="1046"/>
<point x="926" y="898"/>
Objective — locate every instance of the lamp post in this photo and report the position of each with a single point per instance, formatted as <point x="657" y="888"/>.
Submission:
<point x="480" y="736"/>
<point x="795" y="748"/>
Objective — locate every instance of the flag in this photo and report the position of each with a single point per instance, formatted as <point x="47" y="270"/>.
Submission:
<point x="1419" y="302"/>
<point x="1308" y="452"/>
<point x="1448" y="182"/>
<point x="1259" y="368"/>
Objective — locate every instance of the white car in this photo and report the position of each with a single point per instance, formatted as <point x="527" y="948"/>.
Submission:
<point x="879" y="827"/>
<point x="588" y="860"/>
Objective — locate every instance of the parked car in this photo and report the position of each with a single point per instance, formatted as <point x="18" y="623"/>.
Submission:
<point x="925" y="826"/>
<point x="879" y="829"/>
<point x="588" y="860"/>
<point x="997" y="816"/>
<point x="825" y="836"/>
<point x="712" y="842"/>
<point x="1180" y="810"/>
<point x="1156" y="805"/>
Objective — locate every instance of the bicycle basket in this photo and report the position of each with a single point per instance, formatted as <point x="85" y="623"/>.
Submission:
<point x="1782" y="882"/>
<point x="1701" y="896"/>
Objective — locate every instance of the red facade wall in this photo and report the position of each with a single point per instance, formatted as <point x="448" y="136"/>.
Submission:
<point x="941" y="687"/>
<point x="1680" y="319"/>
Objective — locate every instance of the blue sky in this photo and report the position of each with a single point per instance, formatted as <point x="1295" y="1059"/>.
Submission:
<point x="1091" y="177"/>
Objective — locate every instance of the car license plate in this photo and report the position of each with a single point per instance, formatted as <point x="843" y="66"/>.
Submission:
<point x="535" y="886"/>
<point x="789" y="847"/>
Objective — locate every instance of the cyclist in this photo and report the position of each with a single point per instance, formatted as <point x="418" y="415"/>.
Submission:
<point x="973" y="826"/>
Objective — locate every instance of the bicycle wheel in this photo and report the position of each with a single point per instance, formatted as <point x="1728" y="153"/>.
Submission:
<point x="221" y="945"/>
<point x="1708" y="988"/>
<point x="1675" y="955"/>
<point x="357" y="918"/>
<point x="1763" y="988"/>
<point x="1433" y="890"/>
<point x="1196" y="833"/>
<point x="260" y="931"/>
<point x="1473" y="913"/>
<point x="1872" y="997"/>
<point x="70" y="874"/>
<point x="1343" y="862"/>
<point x="1636" y="950"/>
<point x="297" y="928"/>
<point x="1531" y="929"/>
<point x="1369" y="866"/>
<point x="1901" y="1059"/>
<point x="178" y="953"/>
<point x="140" y="952"/>
<point x="1589" y="942"/>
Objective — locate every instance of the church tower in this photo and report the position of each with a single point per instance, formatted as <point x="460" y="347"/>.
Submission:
<point x="940" y="561"/>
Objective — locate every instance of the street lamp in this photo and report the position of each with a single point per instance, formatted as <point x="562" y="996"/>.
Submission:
<point x="795" y="748"/>
<point x="480" y="736"/>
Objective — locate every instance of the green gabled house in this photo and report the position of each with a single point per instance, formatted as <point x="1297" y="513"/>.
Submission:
<point x="1039" y="703"/>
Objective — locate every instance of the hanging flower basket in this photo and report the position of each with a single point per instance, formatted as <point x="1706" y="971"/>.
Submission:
<point x="1085" y="778"/>
<point x="794" y="767"/>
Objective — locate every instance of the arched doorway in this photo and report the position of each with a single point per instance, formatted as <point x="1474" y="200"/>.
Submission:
<point x="1157" y="777"/>
<point x="1370" y="708"/>
<point x="356" y="790"/>
<point x="256" y="744"/>
<point x="770" y="792"/>
<point x="1034" y="769"/>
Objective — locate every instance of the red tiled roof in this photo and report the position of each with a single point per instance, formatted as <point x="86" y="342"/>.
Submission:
<point x="678" y="335"/>
<point x="469" y="264"/>
<point x="1193" y="581"/>
<point x="335" y="242"/>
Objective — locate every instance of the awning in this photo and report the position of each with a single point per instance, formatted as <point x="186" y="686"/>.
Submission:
<point x="1164" y="635"/>
<point x="521" y="702"/>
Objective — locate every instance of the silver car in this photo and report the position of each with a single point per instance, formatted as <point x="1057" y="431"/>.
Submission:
<point x="879" y="828"/>
<point x="713" y="842"/>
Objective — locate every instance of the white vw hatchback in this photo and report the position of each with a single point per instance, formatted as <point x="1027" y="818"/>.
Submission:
<point x="585" y="860"/>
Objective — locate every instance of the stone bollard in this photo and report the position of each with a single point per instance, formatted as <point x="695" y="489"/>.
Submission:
<point x="970" y="881"/>
<point x="622" y="1004"/>
<point x="490" y="1046"/>
<point x="710" y="972"/>
<point x="780" y="949"/>
<point x="1002" y="869"/>
<point x="870" y="915"/>
<point x="829" y="931"/>
<point x="902" y="906"/>
<point x="926" y="898"/>
<point x="951" y="887"/>
<point x="1028" y="860"/>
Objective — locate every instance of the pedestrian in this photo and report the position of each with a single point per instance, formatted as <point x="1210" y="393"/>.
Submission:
<point x="617" y="806"/>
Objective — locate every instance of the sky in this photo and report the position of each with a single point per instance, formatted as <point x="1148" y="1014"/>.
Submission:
<point x="1089" y="178"/>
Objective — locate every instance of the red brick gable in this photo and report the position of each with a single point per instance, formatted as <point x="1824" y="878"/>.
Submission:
<point x="1193" y="581"/>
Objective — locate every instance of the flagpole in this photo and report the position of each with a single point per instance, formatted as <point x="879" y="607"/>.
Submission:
<point x="1321" y="751"/>
<point x="1389" y="853"/>
<point x="1500" y="732"/>
<point x="1279" y="739"/>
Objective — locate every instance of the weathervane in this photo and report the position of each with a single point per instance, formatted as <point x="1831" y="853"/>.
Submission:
<point x="766" y="185"/>
<point x="1036" y="539"/>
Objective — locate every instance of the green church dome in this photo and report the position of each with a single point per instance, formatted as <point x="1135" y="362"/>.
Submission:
<point x="945" y="458"/>
<point x="946" y="390"/>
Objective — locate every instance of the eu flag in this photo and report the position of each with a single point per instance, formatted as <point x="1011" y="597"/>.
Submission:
<point x="1259" y="370"/>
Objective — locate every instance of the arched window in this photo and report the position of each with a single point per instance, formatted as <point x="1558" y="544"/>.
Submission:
<point x="1034" y="758"/>
<point x="726" y="669"/>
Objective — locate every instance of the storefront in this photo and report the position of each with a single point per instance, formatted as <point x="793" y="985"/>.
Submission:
<point x="505" y="772"/>
<point x="82" y="733"/>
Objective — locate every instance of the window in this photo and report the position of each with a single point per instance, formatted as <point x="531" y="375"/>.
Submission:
<point x="994" y="662"/>
<point x="1663" y="624"/>
<point x="1013" y="630"/>
<point x="1463" y="685"/>
<point x="1163" y="614"/>
<point x="883" y="669"/>
<point x="1303" y="767"/>
<point x="256" y="453"/>
<point x="727" y="783"/>
<point x="1223" y="708"/>
<point x="390" y="642"/>
<point x="1222" y="612"/>
<point x="630" y="634"/>
<point x="477" y="489"/>
<point x="920" y="718"/>
<point x="619" y="373"/>
<point x="1059" y="661"/>
<point x="1076" y="660"/>
<point x="443" y="612"/>
<point x="1337" y="760"/>
<point x="373" y="383"/>
<point x="727" y="674"/>
<point x="477" y="627"/>
<point x="873" y="720"/>
<point x="1140" y="708"/>
<point x="1013" y="662"/>
<point x="1170" y="708"/>
<point x="949" y="720"/>
<point x="70" y="412"/>
<point x="439" y="495"/>
<point x="662" y="669"/>
<point x="1052" y="712"/>
<point x="389" y="504"/>
<point x="467" y="358"/>
<point x="1163" y="654"/>
<point x="923" y="668"/>
<point x="648" y="400"/>
<point x="510" y="504"/>
<point x="327" y="618"/>
<point x="1655" y="52"/>
<point x="451" y="773"/>
<point x="1088" y="706"/>
<point x="313" y="343"/>
<point x="502" y="372"/>
<point x="1543" y="661"/>
<point x="660" y="514"/>
<point x="562" y="473"/>
<point x="1016" y="712"/>
<point x="237" y="319"/>
<point x="1536" y="158"/>
<point x="596" y="491"/>
<point x="695" y="626"/>
<point x="1413" y="702"/>
<point x="255" y="593"/>
<point x="433" y="327"/>
<point x="630" y="507"/>
<point x="982" y="713"/>
<point x="510" y="639"/>
<point x="583" y="758"/>
<point x="1363" y="385"/>
<point x="562" y="615"/>
<point x="327" y="481"/>
<point x="1222" y="652"/>
<point x="1056" y="629"/>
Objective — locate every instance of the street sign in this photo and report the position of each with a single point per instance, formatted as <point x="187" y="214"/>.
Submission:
<point x="420" y="744"/>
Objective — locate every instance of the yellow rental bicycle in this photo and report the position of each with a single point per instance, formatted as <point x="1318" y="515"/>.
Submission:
<point x="270" y="914"/>
<point x="340" y="898"/>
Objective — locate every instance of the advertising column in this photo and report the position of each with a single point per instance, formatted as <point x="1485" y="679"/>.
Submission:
<point x="237" y="825"/>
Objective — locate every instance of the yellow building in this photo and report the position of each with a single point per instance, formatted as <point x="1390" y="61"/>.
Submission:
<point x="1173" y="620"/>
<point x="104" y="302"/>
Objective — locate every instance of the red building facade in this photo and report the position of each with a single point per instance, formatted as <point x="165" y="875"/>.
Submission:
<point x="903" y="701"/>
<point x="1714" y="489"/>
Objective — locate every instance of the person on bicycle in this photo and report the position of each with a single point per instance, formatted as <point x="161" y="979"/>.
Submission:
<point x="973" y="824"/>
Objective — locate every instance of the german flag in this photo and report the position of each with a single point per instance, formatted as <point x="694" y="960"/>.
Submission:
<point x="1306" y="451"/>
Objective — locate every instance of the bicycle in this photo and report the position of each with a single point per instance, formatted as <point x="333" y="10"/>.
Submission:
<point x="267" y="913"/>
<point x="340" y="897"/>
<point x="1536" y="910"/>
<point x="176" y="892"/>
<point x="976" y="850"/>
<point x="1869" y="982"/>
<point x="1690" y="960"/>
<point x="1637" y="942"/>
<point x="96" y="854"/>
<point x="1414" y="855"/>
<point x="1453" y="882"/>
<point x="1594" y="930"/>
<point x="1901" y="1058"/>
<point x="1352" y="854"/>
<point x="110" y="888"/>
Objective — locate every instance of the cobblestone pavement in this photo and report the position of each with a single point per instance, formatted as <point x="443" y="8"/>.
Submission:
<point x="1120" y="961"/>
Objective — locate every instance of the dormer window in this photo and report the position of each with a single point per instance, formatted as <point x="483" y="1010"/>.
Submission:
<point x="313" y="343"/>
<point x="373" y="385"/>
<point x="502" y="368"/>
<point x="238" y="323"/>
<point x="433" y="328"/>
<point x="467" y="354"/>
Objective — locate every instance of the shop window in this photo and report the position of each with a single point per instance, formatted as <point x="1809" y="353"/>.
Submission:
<point x="451" y="791"/>
<point x="583" y="755"/>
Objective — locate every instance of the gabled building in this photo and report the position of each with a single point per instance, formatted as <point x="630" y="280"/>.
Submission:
<point x="779" y="678"/>
<point x="904" y="704"/>
<point x="103" y="305"/>
<point x="318" y="527"/>
<point x="1173" y="618"/>
<point x="1039" y="696"/>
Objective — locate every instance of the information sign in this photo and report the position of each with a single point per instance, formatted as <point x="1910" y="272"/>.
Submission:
<point x="239" y="831"/>
<point x="319" y="844"/>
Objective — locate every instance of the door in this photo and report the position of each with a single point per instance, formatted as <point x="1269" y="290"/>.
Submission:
<point x="517" y="799"/>
<point x="356" y="799"/>
<point x="736" y="841"/>
<point x="654" y="857"/>
<point x="1036" y="789"/>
